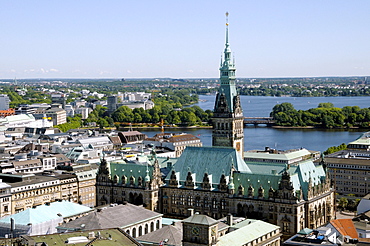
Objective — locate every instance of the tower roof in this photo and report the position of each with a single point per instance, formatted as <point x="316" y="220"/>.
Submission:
<point x="227" y="76"/>
<point x="200" y="219"/>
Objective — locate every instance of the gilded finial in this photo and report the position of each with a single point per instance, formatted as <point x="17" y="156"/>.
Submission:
<point x="227" y="18"/>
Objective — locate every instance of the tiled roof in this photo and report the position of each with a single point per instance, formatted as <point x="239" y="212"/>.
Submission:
<point x="345" y="227"/>
<point x="112" y="217"/>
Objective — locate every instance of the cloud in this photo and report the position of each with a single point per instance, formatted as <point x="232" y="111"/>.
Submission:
<point x="54" y="70"/>
<point x="190" y="71"/>
<point x="104" y="72"/>
<point x="12" y="70"/>
<point x="128" y="71"/>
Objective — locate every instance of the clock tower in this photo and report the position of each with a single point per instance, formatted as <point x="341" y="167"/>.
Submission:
<point x="199" y="230"/>
<point x="228" y="119"/>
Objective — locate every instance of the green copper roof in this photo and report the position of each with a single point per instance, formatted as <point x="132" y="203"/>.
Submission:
<point x="227" y="76"/>
<point x="251" y="231"/>
<point x="364" y="139"/>
<point x="212" y="160"/>
<point x="136" y="170"/>
<point x="268" y="175"/>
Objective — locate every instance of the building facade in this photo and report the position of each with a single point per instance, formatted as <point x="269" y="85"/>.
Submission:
<point x="4" y="102"/>
<point x="350" y="168"/>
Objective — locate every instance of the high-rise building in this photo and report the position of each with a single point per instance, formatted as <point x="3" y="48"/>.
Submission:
<point x="59" y="99"/>
<point x="228" y="114"/>
<point x="4" y="102"/>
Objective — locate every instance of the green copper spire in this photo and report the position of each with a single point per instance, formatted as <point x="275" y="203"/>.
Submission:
<point x="227" y="91"/>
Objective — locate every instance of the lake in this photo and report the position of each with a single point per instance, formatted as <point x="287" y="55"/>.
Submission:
<point x="283" y="139"/>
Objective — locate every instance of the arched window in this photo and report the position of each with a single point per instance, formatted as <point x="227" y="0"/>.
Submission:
<point x="132" y="180"/>
<point x="134" y="232"/>
<point x="151" y="226"/>
<point x="146" y="228"/>
<point x="140" y="231"/>
<point x="190" y="201"/>
<point x="197" y="201"/>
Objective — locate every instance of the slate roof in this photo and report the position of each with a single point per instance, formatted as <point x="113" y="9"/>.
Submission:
<point x="200" y="219"/>
<point x="45" y="213"/>
<point x="213" y="160"/>
<point x="171" y="232"/>
<point x="119" y="216"/>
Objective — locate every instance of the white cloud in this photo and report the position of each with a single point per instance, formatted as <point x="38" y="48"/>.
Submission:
<point x="190" y="71"/>
<point x="54" y="70"/>
<point x="128" y="71"/>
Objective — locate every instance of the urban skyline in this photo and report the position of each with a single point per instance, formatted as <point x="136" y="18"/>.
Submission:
<point x="144" y="39"/>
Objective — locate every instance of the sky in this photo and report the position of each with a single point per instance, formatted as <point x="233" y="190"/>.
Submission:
<point x="183" y="39"/>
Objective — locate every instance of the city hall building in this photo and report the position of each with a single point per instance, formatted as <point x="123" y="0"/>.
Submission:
<point x="283" y="188"/>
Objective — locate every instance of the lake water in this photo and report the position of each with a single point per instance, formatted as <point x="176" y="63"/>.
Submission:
<point x="283" y="139"/>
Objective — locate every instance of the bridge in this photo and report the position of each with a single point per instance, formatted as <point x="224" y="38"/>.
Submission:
<point x="259" y="121"/>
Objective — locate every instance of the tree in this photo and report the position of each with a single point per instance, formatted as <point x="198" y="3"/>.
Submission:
<point x="326" y="105"/>
<point x="343" y="202"/>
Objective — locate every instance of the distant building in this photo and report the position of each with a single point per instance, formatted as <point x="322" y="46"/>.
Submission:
<point x="55" y="114"/>
<point x="131" y="137"/>
<point x="134" y="96"/>
<point x="174" y="142"/>
<point x="4" y="102"/>
<point x="131" y="100"/>
<point x="84" y="112"/>
<point x="70" y="112"/>
<point x="112" y="103"/>
<point x="59" y="99"/>
<point x="349" y="169"/>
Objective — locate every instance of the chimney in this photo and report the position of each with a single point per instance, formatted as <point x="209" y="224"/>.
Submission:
<point x="229" y="219"/>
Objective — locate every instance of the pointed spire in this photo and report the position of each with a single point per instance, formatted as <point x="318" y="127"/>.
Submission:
<point x="227" y="28"/>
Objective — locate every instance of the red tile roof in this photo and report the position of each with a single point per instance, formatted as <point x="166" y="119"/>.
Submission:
<point x="345" y="227"/>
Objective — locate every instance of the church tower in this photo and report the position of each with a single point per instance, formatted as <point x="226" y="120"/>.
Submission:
<point x="228" y="119"/>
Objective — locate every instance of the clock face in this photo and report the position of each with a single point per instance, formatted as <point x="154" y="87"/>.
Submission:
<point x="195" y="230"/>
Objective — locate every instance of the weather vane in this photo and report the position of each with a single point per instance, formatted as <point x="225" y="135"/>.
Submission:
<point x="227" y="18"/>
